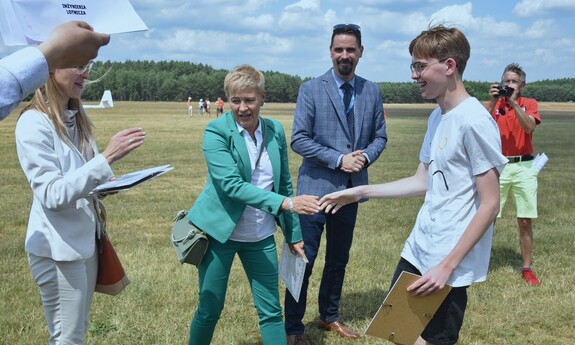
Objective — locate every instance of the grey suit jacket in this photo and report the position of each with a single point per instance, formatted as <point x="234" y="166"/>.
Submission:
<point x="320" y="133"/>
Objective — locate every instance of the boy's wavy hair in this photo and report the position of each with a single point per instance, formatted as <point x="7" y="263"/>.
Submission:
<point x="441" y="43"/>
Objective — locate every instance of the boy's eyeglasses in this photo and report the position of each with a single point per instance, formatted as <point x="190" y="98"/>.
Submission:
<point x="85" y="68"/>
<point x="343" y="27"/>
<point x="419" y="67"/>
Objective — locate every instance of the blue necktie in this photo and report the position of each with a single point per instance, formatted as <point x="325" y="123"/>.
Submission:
<point x="346" y="87"/>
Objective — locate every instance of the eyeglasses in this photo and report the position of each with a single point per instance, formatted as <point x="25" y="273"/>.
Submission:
<point x="419" y="67"/>
<point x="510" y="81"/>
<point x="85" y="68"/>
<point x="344" y="27"/>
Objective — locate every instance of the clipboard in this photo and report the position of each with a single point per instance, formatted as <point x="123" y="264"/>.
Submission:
<point x="402" y="317"/>
<point x="131" y="180"/>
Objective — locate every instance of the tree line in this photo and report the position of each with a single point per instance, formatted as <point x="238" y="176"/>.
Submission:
<point x="175" y="81"/>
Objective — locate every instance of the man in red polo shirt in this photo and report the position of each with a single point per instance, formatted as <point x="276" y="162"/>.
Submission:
<point x="517" y="117"/>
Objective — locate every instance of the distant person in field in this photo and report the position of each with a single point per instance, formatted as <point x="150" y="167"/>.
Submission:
<point x="190" y="107"/>
<point x="339" y="130"/>
<point x="248" y="193"/>
<point x="201" y="107"/>
<point x="207" y="106"/>
<point x="57" y="151"/>
<point x="69" y="44"/>
<point x="460" y="162"/>
<point x="517" y="118"/>
<point x="219" y="107"/>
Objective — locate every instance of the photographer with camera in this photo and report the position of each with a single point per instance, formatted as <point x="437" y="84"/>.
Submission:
<point x="517" y="117"/>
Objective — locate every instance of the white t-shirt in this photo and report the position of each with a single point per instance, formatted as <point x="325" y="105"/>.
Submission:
<point x="458" y="146"/>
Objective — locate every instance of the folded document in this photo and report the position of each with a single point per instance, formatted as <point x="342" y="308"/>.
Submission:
<point x="291" y="271"/>
<point x="130" y="180"/>
<point x="540" y="161"/>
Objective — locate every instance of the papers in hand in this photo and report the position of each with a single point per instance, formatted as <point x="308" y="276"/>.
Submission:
<point x="24" y="22"/>
<point x="402" y="317"/>
<point x="130" y="180"/>
<point x="291" y="270"/>
<point x="540" y="161"/>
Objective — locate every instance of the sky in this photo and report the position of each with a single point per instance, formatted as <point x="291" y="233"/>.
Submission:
<point x="293" y="37"/>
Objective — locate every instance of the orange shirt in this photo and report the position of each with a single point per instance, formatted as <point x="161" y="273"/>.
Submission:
<point x="220" y="104"/>
<point x="514" y="140"/>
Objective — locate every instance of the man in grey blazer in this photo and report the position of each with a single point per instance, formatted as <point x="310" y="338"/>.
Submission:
<point x="339" y="130"/>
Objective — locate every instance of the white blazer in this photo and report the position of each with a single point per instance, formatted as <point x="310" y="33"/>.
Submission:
<point x="62" y="222"/>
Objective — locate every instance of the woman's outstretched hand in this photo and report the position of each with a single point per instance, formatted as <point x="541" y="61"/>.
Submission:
<point x="302" y="204"/>
<point x="122" y="143"/>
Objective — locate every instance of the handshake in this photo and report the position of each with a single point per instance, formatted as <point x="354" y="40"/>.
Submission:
<point x="311" y="204"/>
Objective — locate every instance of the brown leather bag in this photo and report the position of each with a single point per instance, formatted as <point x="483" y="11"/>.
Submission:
<point x="112" y="278"/>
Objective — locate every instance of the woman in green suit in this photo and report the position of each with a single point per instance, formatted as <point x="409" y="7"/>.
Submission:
<point x="248" y="192"/>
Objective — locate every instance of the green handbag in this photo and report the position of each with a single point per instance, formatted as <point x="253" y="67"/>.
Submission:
<point x="189" y="242"/>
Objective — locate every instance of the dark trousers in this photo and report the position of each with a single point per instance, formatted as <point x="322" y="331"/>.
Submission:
<point x="339" y="234"/>
<point x="444" y="327"/>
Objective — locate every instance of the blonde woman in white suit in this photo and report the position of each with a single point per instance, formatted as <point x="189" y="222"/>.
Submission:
<point x="58" y="154"/>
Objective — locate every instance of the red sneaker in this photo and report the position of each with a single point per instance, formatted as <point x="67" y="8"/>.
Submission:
<point x="530" y="277"/>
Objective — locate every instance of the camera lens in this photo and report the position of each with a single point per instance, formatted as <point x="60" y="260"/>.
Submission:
<point x="505" y="91"/>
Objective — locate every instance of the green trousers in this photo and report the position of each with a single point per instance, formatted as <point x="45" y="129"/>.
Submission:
<point x="259" y="260"/>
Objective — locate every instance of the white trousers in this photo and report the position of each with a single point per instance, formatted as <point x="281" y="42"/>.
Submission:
<point x="66" y="288"/>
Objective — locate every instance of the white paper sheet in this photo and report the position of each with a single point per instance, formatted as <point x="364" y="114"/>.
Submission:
<point x="11" y="34"/>
<point x="31" y="21"/>
<point x="540" y="161"/>
<point x="291" y="270"/>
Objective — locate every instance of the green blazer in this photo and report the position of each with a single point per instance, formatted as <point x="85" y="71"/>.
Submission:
<point x="228" y="189"/>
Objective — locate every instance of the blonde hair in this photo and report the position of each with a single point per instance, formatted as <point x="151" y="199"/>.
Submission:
<point x="48" y="100"/>
<point x="441" y="43"/>
<point x="244" y="77"/>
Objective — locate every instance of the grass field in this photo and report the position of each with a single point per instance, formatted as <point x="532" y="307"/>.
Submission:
<point x="157" y="307"/>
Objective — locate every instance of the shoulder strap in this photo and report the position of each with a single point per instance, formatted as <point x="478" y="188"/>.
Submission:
<point x="265" y="131"/>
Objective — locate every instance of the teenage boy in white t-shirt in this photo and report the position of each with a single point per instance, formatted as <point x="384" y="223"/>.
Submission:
<point x="460" y="162"/>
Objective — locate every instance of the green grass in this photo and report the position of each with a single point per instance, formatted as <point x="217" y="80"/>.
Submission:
<point x="158" y="305"/>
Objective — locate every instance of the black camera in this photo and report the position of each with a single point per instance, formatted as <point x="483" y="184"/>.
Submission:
<point x="505" y="91"/>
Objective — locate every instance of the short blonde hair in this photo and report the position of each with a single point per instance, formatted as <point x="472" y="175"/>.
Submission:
<point x="244" y="77"/>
